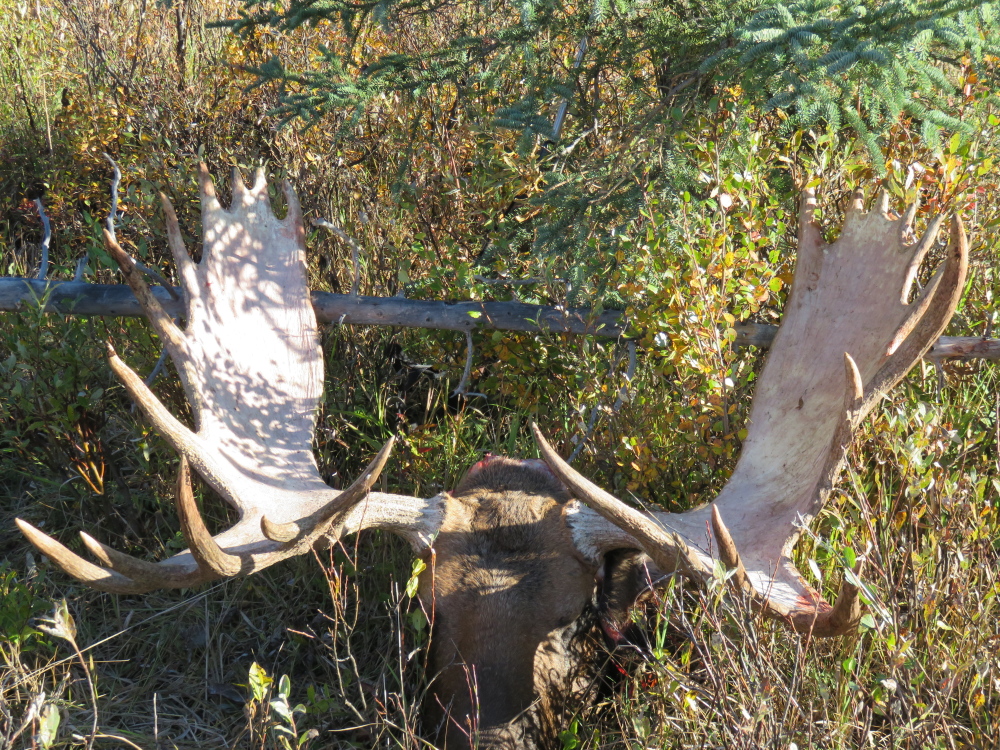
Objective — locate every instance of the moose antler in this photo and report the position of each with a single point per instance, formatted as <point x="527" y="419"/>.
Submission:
<point x="251" y="365"/>
<point x="848" y="335"/>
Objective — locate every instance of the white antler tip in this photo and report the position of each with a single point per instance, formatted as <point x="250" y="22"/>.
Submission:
<point x="857" y="201"/>
<point x="239" y="187"/>
<point x="259" y="180"/>
<point x="908" y="216"/>
<point x="855" y="386"/>
<point x="205" y="180"/>
<point x="883" y="202"/>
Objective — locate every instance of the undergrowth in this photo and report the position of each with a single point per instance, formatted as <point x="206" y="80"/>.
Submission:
<point x="329" y="651"/>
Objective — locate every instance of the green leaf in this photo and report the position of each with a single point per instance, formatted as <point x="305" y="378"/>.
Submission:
<point x="259" y="681"/>
<point x="413" y="585"/>
<point x="850" y="557"/>
<point x="418" y="620"/>
<point x="570" y="738"/>
<point x="280" y="707"/>
<point x="48" y="726"/>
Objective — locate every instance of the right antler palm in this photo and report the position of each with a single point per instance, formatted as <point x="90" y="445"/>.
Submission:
<point x="847" y="336"/>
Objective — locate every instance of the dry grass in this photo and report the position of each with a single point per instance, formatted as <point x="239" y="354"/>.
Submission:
<point x="176" y="669"/>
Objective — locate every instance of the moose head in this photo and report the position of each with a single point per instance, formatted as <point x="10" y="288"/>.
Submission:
<point x="516" y="552"/>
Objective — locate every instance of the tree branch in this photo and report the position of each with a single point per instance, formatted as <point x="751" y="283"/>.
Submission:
<point x="80" y="298"/>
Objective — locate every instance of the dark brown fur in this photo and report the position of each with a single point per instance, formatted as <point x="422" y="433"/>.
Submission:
<point x="507" y="592"/>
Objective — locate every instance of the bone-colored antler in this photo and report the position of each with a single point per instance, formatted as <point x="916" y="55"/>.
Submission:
<point x="252" y="369"/>
<point x="848" y="335"/>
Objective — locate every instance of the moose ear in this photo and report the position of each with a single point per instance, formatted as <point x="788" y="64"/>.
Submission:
<point x="624" y="581"/>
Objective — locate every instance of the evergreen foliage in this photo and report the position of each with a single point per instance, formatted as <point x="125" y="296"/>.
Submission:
<point x="862" y="65"/>
<point x="510" y="65"/>
<point x="638" y="68"/>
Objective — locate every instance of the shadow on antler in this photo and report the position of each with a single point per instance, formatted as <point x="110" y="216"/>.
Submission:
<point x="250" y="362"/>
<point x="512" y="560"/>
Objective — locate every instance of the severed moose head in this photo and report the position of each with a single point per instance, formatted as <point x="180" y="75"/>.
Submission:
<point x="517" y="551"/>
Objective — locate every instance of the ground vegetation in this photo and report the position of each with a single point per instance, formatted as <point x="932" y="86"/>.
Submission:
<point x="432" y="135"/>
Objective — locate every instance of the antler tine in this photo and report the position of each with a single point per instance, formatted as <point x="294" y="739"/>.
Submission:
<point x="917" y="312"/>
<point x="143" y="572"/>
<point x="212" y="561"/>
<point x="667" y="548"/>
<point x="239" y="187"/>
<point x="260" y="179"/>
<point x="209" y="199"/>
<point x="823" y="621"/>
<point x="909" y="215"/>
<point x="857" y="204"/>
<point x="918" y="251"/>
<point x="185" y="265"/>
<point x="293" y="530"/>
<point x="72" y="564"/>
<point x="810" y="257"/>
<point x="883" y="202"/>
<point x="843" y="617"/>
<point x="204" y="548"/>
<point x="137" y="575"/>
<point x="928" y="318"/>
<point x="728" y="553"/>
<point x="164" y="325"/>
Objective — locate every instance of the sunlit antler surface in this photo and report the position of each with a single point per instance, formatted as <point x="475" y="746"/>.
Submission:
<point x="848" y="334"/>
<point x="252" y="369"/>
<point x="517" y="570"/>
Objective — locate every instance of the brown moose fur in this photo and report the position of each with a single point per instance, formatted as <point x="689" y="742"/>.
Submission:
<point x="500" y="674"/>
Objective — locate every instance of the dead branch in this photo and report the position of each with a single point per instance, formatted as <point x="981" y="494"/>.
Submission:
<point x="43" y="266"/>
<point x="113" y="300"/>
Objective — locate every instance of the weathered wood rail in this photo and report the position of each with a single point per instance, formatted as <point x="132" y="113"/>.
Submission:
<point x="117" y="300"/>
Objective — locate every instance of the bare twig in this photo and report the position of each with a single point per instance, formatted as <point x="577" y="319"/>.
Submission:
<point x="620" y="400"/>
<point x="61" y="625"/>
<point x="581" y="49"/>
<point x="355" y="250"/>
<point x="43" y="267"/>
<point x="115" y="181"/>
<point x="582" y="441"/>
<point x="564" y="104"/>
<point x="109" y="224"/>
<point x="462" y="388"/>
<point x="117" y="738"/>
<point x="34" y="708"/>
<point x="158" y="367"/>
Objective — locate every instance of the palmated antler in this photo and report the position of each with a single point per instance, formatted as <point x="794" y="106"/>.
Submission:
<point x="251" y="365"/>
<point x="848" y="335"/>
